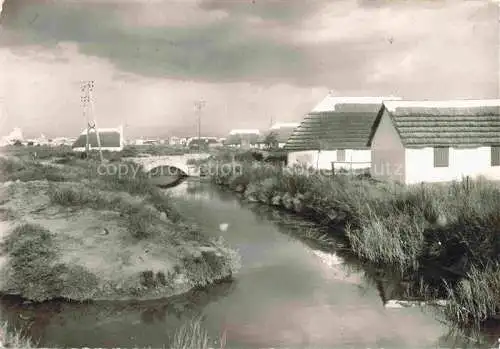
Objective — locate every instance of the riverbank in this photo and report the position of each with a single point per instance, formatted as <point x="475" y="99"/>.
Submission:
<point x="442" y="238"/>
<point x="70" y="232"/>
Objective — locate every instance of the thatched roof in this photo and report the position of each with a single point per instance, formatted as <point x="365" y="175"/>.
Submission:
<point x="108" y="138"/>
<point x="467" y="123"/>
<point x="348" y="126"/>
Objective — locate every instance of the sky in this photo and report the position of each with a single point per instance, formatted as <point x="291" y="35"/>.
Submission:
<point x="251" y="61"/>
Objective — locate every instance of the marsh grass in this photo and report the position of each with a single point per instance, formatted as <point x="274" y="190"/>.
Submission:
<point x="10" y="338"/>
<point x="140" y="217"/>
<point x="192" y="335"/>
<point x="12" y="169"/>
<point x="475" y="298"/>
<point x="131" y="180"/>
<point x="32" y="258"/>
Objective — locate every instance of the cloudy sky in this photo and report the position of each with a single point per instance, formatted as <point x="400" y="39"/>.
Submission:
<point x="250" y="60"/>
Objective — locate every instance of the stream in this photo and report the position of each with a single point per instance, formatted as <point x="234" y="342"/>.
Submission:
<point x="288" y="294"/>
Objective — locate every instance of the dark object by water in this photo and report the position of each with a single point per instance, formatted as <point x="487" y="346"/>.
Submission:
<point x="167" y="181"/>
<point x="147" y="279"/>
<point x="83" y="155"/>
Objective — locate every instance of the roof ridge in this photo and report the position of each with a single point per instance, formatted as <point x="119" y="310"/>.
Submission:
<point x="391" y="106"/>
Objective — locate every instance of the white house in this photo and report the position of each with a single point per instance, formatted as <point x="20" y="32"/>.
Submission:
<point x="335" y="132"/>
<point x="436" y="141"/>
<point x="111" y="139"/>
<point x="244" y="138"/>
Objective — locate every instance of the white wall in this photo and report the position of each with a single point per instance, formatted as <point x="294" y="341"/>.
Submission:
<point x="306" y="157"/>
<point x="323" y="159"/>
<point x="388" y="153"/>
<point x="363" y="156"/>
<point x="471" y="162"/>
<point x="82" y="149"/>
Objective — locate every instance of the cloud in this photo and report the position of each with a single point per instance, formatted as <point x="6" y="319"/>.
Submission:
<point x="148" y="105"/>
<point x="152" y="59"/>
<point x="347" y="20"/>
<point x="223" y="49"/>
<point x="268" y="10"/>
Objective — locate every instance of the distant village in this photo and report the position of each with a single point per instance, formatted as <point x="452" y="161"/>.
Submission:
<point x="403" y="140"/>
<point x="115" y="139"/>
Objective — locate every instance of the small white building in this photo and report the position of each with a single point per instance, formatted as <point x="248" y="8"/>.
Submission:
<point x="436" y="141"/>
<point x="335" y="133"/>
<point x="111" y="139"/>
<point x="203" y="142"/>
<point x="244" y="138"/>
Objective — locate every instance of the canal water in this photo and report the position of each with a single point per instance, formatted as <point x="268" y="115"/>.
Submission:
<point x="288" y="294"/>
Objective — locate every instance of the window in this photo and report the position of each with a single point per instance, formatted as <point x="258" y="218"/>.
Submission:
<point x="495" y="155"/>
<point x="441" y="157"/>
<point x="341" y="155"/>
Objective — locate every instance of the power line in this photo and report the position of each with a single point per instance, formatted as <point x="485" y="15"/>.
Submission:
<point x="199" y="106"/>
<point x="87" y="88"/>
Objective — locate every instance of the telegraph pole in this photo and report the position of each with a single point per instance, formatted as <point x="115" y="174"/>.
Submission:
<point x="87" y="88"/>
<point x="199" y="106"/>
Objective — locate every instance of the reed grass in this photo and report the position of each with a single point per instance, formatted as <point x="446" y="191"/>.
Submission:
<point x="10" y="338"/>
<point x="192" y="335"/>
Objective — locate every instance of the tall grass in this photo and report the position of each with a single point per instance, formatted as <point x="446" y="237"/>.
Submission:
<point x="192" y="335"/>
<point x="10" y="338"/>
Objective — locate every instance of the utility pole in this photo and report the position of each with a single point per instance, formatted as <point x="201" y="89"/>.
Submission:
<point x="87" y="88"/>
<point x="199" y="106"/>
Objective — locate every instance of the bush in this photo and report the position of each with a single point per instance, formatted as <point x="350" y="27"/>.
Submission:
<point x="33" y="262"/>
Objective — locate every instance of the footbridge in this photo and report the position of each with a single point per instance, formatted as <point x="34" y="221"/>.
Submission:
<point x="165" y="163"/>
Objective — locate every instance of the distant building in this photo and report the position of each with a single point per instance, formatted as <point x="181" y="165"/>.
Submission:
<point x="59" y="141"/>
<point x="41" y="141"/>
<point x="111" y="139"/>
<point x="203" y="142"/>
<point x="335" y="133"/>
<point x="244" y="138"/>
<point x="282" y="131"/>
<point x="436" y="141"/>
<point x="15" y="135"/>
<point x="174" y="140"/>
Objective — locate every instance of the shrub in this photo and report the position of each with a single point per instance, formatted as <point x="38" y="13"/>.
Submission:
<point x="33" y="262"/>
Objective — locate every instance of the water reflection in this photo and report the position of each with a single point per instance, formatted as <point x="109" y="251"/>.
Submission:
<point x="122" y="324"/>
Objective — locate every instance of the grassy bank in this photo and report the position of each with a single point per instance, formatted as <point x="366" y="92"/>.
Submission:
<point x="45" y="152"/>
<point x="75" y="231"/>
<point x="443" y="235"/>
